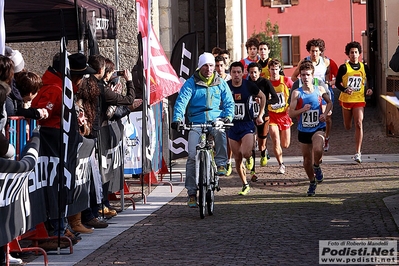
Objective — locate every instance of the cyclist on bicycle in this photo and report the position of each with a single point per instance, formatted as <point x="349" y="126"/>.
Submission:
<point x="207" y="97"/>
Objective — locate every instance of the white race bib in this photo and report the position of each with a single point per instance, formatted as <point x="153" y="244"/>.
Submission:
<point x="310" y="118"/>
<point x="254" y="107"/>
<point x="355" y="82"/>
<point x="281" y="101"/>
<point x="239" y="111"/>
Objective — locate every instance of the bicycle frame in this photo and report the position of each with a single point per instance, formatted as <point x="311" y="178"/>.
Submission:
<point x="205" y="167"/>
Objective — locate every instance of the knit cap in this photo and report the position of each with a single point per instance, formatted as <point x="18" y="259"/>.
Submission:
<point x="206" y="58"/>
<point x="16" y="57"/>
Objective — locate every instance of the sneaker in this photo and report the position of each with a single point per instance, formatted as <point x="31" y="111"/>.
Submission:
<point x="254" y="177"/>
<point x="14" y="261"/>
<point x="221" y="170"/>
<point x="358" y="157"/>
<point x="263" y="160"/>
<point x="229" y="169"/>
<point x="267" y="155"/>
<point x="96" y="223"/>
<point x="249" y="163"/>
<point x="281" y="169"/>
<point x="326" y="144"/>
<point x="192" y="202"/>
<point x="318" y="174"/>
<point x="312" y="189"/>
<point x="245" y="190"/>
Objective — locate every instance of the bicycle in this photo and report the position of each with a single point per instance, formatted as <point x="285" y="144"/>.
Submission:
<point x="205" y="167"/>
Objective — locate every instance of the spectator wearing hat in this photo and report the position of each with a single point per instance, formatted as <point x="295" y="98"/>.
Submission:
<point x="206" y="97"/>
<point x="24" y="87"/>
<point x="50" y="94"/>
<point x="16" y="57"/>
<point x="50" y="97"/>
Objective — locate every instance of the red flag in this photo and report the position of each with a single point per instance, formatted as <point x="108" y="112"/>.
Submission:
<point x="163" y="80"/>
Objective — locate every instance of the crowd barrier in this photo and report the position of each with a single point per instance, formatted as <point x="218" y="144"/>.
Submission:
<point x="19" y="133"/>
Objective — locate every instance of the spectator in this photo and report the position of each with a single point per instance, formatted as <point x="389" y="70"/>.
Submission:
<point x="6" y="76"/>
<point x="50" y="98"/>
<point x="394" y="62"/>
<point x="24" y="89"/>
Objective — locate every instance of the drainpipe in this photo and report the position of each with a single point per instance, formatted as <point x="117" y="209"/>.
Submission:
<point x="243" y="28"/>
<point x="352" y="23"/>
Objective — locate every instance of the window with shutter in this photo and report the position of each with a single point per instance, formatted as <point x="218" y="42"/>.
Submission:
<point x="279" y="3"/>
<point x="296" y="55"/>
<point x="290" y="50"/>
<point x="267" y="3"/>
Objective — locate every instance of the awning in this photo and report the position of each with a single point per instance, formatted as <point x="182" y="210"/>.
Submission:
<point x="32" y="21"/>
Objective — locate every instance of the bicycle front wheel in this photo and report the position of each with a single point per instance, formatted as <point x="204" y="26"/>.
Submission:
<point x="202" y="186"/>
<point x="210" y="200"/>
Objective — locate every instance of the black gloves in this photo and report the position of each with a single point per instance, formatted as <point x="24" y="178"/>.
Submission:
<point x="176" y="125"/>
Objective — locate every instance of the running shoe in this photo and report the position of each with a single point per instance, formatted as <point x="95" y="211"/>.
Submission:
<point x="318" y="174"/>
<point x="281" y="169"/>
<point x="192" y="202"/>
<point x="254" y="177"/>
<point x="14" y="261"/>
<point x="326" y="144"/>
<point x="229" y="169"/>
<point x="312" y="189"/>
<point x="245" y="190"/>
<point x="221" y="170"/>
<point x="358" y="157"/>
<point x="263" y="160"/>
<point x="249" y="163"/>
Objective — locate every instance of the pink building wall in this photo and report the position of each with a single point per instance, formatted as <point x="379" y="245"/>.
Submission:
<point x="329" y="20"/>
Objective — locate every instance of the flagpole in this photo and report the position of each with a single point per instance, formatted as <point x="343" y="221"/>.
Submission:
<point x="148" y="84"/>
<point x="148" y="80"/>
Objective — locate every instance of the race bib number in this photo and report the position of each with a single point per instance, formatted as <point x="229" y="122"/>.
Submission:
<point x="239" y="111"/>
<point x="355" y="82"/>
<point x="310" y="118"/>
<point x="281" y="101"/>
<point x="254" y="107"/>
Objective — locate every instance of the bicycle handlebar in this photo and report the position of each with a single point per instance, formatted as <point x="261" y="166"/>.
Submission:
<point x="203" y="126"/>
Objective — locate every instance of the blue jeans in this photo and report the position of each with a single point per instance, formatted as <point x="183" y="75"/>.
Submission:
<point x="220" y="155"/>
<point x="58" y="226"/>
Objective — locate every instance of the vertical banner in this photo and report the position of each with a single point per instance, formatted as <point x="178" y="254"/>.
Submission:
<point x="184" y="61"/>
<point x="70" y="137"/>
<point x="111" y="164"/>
<point x="163" y="79"/>
<point x="145" y="134"/>
<point x="132" y="139"/>
<point x="81" y="191"/>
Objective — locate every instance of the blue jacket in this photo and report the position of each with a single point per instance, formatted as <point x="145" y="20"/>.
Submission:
<point x="203" y="103"/>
